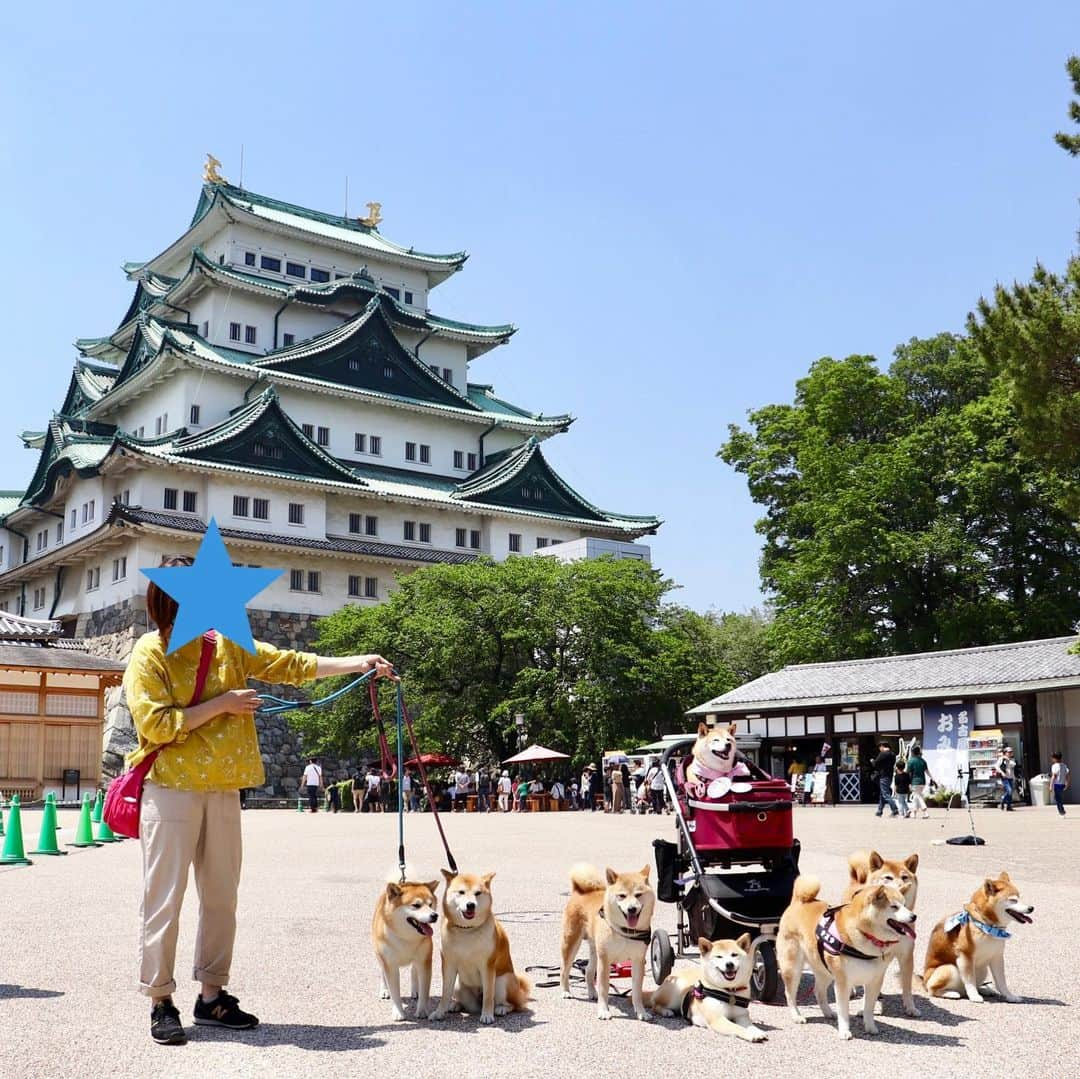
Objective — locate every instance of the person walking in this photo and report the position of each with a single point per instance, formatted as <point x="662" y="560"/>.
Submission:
<point x="902" y="785"/>
<point x="618" y="790"/>
<point x="1006" y="768"/>
<point x="505" y="787"/>
<point x="596" y="788"/>
<point x="406" y="791"/>
<point x="312" y="783"/>
<point x="585" y="785"/>
<point x="193" y="707"/>
<point x="655" y="780"/>
<point x="373" y="796"/>
<point x="1059" y="777"/>
<point x="483" y="790"/>
<point x="333" y="798"/>
<point x="358" y="790"/>
<point x="920" y="776"/>
<point x="884" y="763"/>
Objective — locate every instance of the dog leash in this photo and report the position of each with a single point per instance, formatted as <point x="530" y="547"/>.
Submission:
<point x="276" y="705"/>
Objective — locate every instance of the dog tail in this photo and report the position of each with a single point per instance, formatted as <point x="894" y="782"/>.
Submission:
<point x="859" y="866"/>
<point x="519" y="992"/>
<point x="806" y="889"/>
<point x="586" y="878"/>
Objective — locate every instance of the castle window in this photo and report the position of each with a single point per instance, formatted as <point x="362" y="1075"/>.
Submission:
<point x="408" y="296"/>
<point x="360" y="443"/>
<point x="354" y="363"/>
<point x="471" y="462"/>
<point x="93" y="578"/>
<point x="409" y="531"/>
<point x="39" y="598"/>
<point x="319" y="275"/>
<point x="296" y="513"/>
<point x="371" y="587"/>
<point x="354" y="585"/>
<point x="448" y="375"/>
<point x="59" y="533"/>
<point x="271" y="264"/>
<point x="308" y="429"/>
<point x="205" y="329"/>
<point x="260" y="509"/>
<point x="234" y="331"/>
<point x="90" y="509"/>
<point x="388" y="371"/>
<point x="371" y="526"/>
<point x="249" y="258"/>
<point x="515" y="542"/>
<point x="459" y="459"/>
<point x="324" y="436"/>
<point x="119" y="568"/>
<point x="74" y="520"/>
<point x="191" y="501"/>
<point x="249" y="335"/>
<point x="294" y="269"/>
<point x="425" y="454"/>
<point x="376" y="446"/>
<point x="425" y="533"/>
<point x="355" y="522"/>
<point x="460" y="536"/>
<point x="193" y="417"/>
<point x="240" y="505"/>
<point x="541" y="542"/>
<point x="410" y="451"/>
<point x="296" y="580"/>
<point x="314" y="581"/>
<point x="288" y="339"/>
<point x="526" y="492"/>
<point x="395" y="292"/>
<point x="474" y="539"/>
<point x="268" y="449"/>
<point x="43" y="539"/>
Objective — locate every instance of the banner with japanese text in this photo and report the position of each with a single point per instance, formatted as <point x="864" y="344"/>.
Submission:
<point x="946" y="731"/>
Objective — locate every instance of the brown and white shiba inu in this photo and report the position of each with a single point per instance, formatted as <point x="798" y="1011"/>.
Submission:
<point x="852" y="944"/>
<point x="715" y="994"/>
<point x="616" y="919"/>
<point x="714" y="757"/>
<point x="477" y="971"/>
<point x="966" y="946"/>
<point x="871" y="869"/>
<point x="402" y="931"/>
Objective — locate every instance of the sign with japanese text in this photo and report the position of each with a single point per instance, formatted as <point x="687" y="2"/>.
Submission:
<point x="946" y="734"/>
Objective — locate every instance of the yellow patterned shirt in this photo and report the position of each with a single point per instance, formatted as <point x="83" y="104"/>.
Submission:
<point x="221" y="755"/>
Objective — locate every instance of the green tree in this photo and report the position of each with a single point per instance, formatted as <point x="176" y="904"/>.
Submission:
<point x="1071" y="143"/>
<point x="570" y="646"/>
<point x="901" y="513"/>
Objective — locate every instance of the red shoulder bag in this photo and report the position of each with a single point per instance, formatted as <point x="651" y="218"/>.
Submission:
<point x="123" y="799"/>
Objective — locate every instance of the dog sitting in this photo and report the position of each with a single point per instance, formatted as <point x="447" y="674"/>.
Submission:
<point x="477" y="969"/>
<point x="616" y="919"/>
<point x="966" y="946"/>
<point x="714" y="760"/>
<point x="403" y="935"/>
<point x="852" y="944"/>
<point x="872" y="869"/>
<point x="716" y="994"/>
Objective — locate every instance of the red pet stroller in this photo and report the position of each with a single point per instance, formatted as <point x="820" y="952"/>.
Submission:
<point x="732" y="868"/>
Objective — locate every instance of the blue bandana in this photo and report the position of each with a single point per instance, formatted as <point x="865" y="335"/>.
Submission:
<point x="964" y="918"/>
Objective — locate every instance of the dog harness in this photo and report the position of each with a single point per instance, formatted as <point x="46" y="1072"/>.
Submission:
<point x="829" y="941"/>
<point x="630" y="934"/>
<point x="965" y="918"/>
<point x="726" y="996"/>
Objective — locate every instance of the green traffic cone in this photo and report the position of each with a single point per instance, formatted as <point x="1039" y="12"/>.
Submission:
<point x="99" y="806"/>
<point x="13" y="844"/>
<point x="84" y="833"/>
<point x="299" y="805"/>
<point x="1" y="816"/>
<point x="51" y="797"/>
<point x="47" y="839"/>
<point x="105" y="834"/>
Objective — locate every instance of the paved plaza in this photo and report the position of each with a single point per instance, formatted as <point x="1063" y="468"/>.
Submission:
<point x="304" y="962"/>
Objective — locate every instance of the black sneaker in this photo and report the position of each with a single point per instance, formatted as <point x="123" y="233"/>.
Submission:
<point x="165" y="1027"/>
<point x="223" y="1011"/>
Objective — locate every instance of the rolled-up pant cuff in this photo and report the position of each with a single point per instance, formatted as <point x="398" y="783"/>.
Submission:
<point x="166" y="989"/>
<point x="210" y="977"/>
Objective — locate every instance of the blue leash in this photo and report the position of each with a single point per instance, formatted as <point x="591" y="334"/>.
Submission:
<point x="277" y="705"/>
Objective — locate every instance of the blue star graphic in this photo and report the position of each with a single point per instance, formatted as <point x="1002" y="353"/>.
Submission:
<point x="212" y="594"/>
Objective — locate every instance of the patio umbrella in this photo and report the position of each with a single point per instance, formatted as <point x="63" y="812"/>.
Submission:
<point x="535" y="754"/>
<point x="431" y="760"/>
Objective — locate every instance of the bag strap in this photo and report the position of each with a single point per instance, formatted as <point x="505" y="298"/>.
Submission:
<point x="209" y="641"/>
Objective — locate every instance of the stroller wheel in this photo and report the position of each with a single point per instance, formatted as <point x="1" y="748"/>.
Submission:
<point x="765" y="981"/>
<point x="661" y="955"/>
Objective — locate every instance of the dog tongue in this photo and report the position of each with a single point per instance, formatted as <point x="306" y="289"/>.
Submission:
<point x="632" y="920"/>
<point x="426" y="929"/>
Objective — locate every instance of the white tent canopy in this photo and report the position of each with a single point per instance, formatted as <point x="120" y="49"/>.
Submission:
<point x="534" y="754"/>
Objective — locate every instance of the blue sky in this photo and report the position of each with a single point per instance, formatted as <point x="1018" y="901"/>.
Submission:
<point x="681" y="209"/>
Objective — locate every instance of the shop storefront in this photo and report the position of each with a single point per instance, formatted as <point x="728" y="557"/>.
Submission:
<point x="962" y="707"/>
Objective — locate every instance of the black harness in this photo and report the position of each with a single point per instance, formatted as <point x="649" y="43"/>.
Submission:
<point x="701" y="991"/>
<point x="630" y="934"/>
<point x="828" y="941"/>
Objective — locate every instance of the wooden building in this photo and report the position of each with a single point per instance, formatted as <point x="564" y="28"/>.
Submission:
<point x="52" y="707"/>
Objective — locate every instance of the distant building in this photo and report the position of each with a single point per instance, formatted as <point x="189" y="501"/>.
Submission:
<point x="592" y="547"/>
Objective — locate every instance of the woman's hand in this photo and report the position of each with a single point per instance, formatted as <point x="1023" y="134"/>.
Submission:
<point x="383" y="667"/>
<point x="240" y="702"/>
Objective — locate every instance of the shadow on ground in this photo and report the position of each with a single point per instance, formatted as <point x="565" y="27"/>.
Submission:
<point x="24" y="992"/>
<point x="300" y="1035"/>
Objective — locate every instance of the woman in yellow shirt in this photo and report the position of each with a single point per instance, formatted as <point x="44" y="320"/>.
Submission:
<point x="191" y="805"/>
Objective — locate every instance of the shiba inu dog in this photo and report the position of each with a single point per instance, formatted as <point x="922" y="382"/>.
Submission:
<point x="852" y="944"/>
<point x="402" y="931"/>
<point x="716" y="994"/>
<point x="616" y="919"/>
<point x="966" y="946"/>
<point x="872" y="869"/>
<point x="477" y="970"/>
<point x="714" y="758"/>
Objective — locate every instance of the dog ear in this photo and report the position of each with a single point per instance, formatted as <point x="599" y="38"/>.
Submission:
<point x="448" y="875"/>
<point x="744" y="942"/>
<point x="990" y="886"/>
<point x="704" y="946"/>
<point x="856" y="867"/>
<point x="393" y="891"/>
<point x="912" y="863"/>
<point x="611" y="875"/>
<point x="432" y="886"/>
<point x="487" y="878"/>
<point x="1005" y="877"/>
<point x="879" y="897"/>
<point x="733" y="730"/>
<point x="702" y="730"/>
<point x="645" y="874"/>
<point x="876" y="861"/>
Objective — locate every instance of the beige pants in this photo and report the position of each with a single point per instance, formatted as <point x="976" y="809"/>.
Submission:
<point x="180" y="829"/>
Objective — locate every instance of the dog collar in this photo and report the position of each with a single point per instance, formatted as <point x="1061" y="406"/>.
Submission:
<point x="965" y="918"/>
<point x="623" y="931"/>
<point x="710" y="773"/>
<point x="726" y="996"/>
<point x="828" y="940"/>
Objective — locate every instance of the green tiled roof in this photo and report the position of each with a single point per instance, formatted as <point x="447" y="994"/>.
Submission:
<point x="9" y="500"/>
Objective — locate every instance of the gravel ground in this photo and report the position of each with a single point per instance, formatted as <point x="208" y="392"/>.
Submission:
<point x="303" y="959"/>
